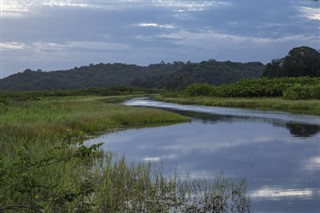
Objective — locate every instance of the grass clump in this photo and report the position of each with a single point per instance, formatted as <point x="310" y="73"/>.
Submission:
<point x="141" y="190"/>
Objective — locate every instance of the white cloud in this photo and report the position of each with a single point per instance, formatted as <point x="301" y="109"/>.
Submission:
<point x="14" y="9"/>
<point x="54" y="55"/>
<point x="11" y="8"/>
<point x="47" y="46"/>
<point x="67" y="46"/>
<point x="12" y="46"/>
<point x="310" y="13"/>
<point x="165" y="26"/>
<point x="92" y="45"/>
<point x="209" y="39"/>
<point x="89" y="45"/>
<point x="62" y="3"/>
<point x="181" y="6"/>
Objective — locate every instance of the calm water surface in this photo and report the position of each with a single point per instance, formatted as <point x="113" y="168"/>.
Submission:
<point x="278" y="153"/>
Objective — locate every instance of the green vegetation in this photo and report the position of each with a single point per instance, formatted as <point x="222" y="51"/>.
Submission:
<point x="299" y="95"/>
<point x="299" y="91"/>
<point x="300" y="61"/>
<point x="199" y="89"/>
<point x="213" y="72"/>
<point x="261" y="87"/>
<point x="106" y="91"/>
<point x="282" y="90"/>
<point x="44" y="167"/>
<point x="164" y="75"/>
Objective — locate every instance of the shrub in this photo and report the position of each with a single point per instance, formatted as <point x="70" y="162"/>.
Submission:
<point x="261" y="87"/>
<point x="298" y="91"/>
<point x="199" y="89"/>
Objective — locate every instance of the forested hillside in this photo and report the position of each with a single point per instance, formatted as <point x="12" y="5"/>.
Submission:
<point x="176" y="75"/>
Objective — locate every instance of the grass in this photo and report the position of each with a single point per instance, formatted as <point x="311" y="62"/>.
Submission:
<point x="54" y="116"/>
<point x="45" y="168"/>
<point x="280" y="104"/>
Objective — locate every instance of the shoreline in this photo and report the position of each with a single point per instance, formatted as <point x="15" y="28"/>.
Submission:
<point x="308" y="107"/>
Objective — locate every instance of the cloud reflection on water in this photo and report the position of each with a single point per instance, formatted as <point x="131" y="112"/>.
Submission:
<point x="279" y="193"/>
<point x="312" y="163"/>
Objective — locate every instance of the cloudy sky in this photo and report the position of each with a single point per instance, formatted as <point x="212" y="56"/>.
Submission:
<point x="62" y="34"/>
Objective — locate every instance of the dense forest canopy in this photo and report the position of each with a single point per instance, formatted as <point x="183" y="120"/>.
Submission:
<point x="300" y="61"/>
<point x="174" y="75"/>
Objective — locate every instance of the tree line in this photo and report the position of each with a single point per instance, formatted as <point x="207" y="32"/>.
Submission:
<point x="176" y="75"/>
<point x="300" y="61"/>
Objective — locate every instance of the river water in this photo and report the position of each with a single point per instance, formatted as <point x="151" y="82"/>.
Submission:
<point x="277" y="153"/>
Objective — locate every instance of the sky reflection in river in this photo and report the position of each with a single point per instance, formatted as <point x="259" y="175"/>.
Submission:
<point x="281" y="165"/>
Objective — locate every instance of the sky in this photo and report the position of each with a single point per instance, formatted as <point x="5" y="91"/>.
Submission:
<point x="63" y="34"/>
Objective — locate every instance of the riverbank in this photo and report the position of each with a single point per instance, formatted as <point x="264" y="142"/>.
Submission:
<point x="56" y="116"/>
<point x="311" y="107"/>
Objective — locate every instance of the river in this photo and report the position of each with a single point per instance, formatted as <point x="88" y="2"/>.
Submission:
<point x="278" y="153"/>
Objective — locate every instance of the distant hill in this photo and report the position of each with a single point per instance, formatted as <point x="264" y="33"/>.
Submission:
<point x="174" y="75"/>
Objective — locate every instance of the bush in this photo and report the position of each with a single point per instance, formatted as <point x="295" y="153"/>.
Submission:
<point x="261" y="87"/>
<point x="298" y="91"/>
<point x="199" y="89"/>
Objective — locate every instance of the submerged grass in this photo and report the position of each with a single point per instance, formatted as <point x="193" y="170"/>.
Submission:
<point x="43" y="168"/>
<point x="294" y="106"/>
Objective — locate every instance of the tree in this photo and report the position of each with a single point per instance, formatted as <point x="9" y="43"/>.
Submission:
<point x="300" y="61"/>
<point x="274" y="68"/>
<point x="177" y="82"/>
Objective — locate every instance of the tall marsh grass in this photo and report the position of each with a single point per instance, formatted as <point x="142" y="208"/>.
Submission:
<point x="140" y="189"/>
